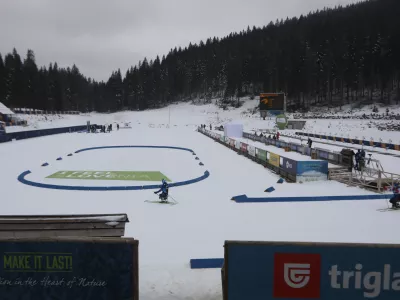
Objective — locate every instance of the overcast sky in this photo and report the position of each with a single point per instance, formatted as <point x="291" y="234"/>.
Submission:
<point x="100" y="36"/>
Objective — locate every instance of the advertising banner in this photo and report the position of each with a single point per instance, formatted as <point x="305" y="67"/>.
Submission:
<point x="261" y="154"/>
<point x="312" y="170"/>
<point x="86" y="269"/>
<point x="251" y="150"/>
<point x="289" y="165"/>
<point x="110" y="175"/>
<point x="328" y="271"/>
<point x="232" y="143"/>
<point x="322" y="154"/>
<point x="282" y="121"/>
<point x="237" y="145"/>
<point x="274" y="159"/>
<point x="243" y="147"/>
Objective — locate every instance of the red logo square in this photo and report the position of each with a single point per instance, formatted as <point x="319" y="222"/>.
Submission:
<point x="297" y="275"/>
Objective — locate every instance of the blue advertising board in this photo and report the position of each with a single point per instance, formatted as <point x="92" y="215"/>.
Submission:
<point x="312" y="170"/>
<point x="289" y="165"/>
<point x="278" y="270"/>
<point x="69" y="269"/>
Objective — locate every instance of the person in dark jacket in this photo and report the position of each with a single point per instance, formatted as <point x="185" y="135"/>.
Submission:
<point x="164" y="191"/>
<point x="395" y="200"/>
<point x="357" y="157"/>
<point x="309" y="142"/>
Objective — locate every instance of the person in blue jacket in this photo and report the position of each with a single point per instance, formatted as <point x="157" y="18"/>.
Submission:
<point x="395" y="200"/>
<point x="164" y="191"/>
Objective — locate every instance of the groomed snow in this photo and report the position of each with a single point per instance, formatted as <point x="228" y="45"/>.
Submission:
<point x="205" y="216"/>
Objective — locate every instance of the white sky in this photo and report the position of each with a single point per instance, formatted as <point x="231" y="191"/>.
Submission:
<point x="100" y="36"/>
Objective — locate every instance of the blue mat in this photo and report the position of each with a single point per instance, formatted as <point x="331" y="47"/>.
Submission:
<point x="245" y="199"/>
<point x="206" y="263"/>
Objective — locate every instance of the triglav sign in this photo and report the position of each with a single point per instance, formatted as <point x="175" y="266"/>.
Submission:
<point x="279" y="270"/>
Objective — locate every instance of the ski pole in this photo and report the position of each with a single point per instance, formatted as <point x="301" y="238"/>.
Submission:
<point x="169" y="196"/>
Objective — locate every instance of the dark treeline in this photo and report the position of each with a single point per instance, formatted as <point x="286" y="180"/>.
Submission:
<point x="333" y="56"/>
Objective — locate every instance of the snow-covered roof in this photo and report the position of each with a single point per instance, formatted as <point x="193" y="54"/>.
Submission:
<point x="5" y="110"/>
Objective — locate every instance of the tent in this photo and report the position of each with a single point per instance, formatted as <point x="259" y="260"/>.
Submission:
<point x="233" y="130"/>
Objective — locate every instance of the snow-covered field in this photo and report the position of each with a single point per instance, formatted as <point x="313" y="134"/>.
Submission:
<point x="205" y="216"/>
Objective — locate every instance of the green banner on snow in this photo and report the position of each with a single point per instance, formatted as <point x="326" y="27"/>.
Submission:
<point x="111" y="175"/>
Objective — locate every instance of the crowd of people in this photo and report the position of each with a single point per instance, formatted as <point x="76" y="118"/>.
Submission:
<point x="102" y="128"/>
<point x="271" y="137"/>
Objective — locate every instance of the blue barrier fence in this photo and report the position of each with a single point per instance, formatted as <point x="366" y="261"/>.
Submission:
<point x="40" y="132"/>
<point x="352" y="141"/>
<point x="245" y="199"/>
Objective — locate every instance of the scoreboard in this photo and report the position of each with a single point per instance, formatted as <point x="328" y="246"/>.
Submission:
<point x="272" y="101"/>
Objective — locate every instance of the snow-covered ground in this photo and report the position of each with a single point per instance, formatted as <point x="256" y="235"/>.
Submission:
<point x="205" y="216"/>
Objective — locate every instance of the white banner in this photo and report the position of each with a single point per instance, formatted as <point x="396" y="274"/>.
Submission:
<point x="251" y="150"/>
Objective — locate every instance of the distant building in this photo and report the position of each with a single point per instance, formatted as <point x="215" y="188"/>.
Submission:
<point x="9" y="118"/>
<point x="6" y="114"/>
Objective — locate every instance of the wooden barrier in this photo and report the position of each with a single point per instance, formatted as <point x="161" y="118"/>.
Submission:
<point x="111" y="225"/>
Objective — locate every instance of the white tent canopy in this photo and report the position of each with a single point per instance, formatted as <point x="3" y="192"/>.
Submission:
<point x="233" y="130"/>
<point x="4" y="110"/>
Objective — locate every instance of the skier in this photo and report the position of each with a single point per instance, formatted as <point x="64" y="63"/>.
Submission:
<point x="395" y="200"/>
<point x="164" y="191"/>
<point x="309" y="142"/>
